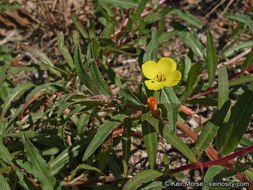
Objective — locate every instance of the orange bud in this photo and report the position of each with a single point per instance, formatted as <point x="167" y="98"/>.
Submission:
<point x="152" y="104"/>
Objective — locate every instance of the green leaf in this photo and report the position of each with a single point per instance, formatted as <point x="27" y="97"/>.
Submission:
<point x="126" y="4"/>
<point x="4" y="153"/>
<point x="128" y="94"/>
<point x="86" y="167"/>
<point x="82" y="73"/>
<point x="39" y="167"/>
<point x="192" y="80"/>
<point x="4" y="184"/>
<point x="231" y="133"/>
<point x="241" y="80"/>
<point x="23" y="181"/>
<point x="187" y="17"/>
<point x="172" y="104"/>
<point x="241" y="18"/>
<point x="67" y="156"/>
<point x="140" y="9"/>
<point x="151" y="52"/>
<point x="126" y="144"/>
<point x="80" y="27"/>
<point x="223" y="86"/>
<point x="64" y="51"/>
<point x="101" y="134"/>
<point x="175" y="141"/>
<point x="230" y="51"/>
<point x="205" y="138"/>
<point x="192" y="41"/>
<point x="140" y="178"/>
<point x="155" y="185"/>
<point x="48" y="63"/>
<point x="211" y="174"/>
<point x="98" y="79"/>
<point x="211" y="58"/>
<point x="150" y="140"/>
<point x="248" y="62"/>
<point x="14" y="95"/>
<point x="82" y="122"/>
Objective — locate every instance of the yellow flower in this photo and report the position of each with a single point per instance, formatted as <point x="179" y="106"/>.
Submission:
<point x="161" y="74"/>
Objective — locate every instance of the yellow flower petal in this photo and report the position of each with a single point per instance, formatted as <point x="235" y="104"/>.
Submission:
<point x="154" y="85"/>
<point x="173" y="78"/>
<point x="166" y="65"/>
<point x="149" y="69"/>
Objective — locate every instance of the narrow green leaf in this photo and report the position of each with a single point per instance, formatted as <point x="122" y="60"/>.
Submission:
<point x="126" y="144"/>
<point x="67" y="156"/>
<point x="193" y="42"/>
<point x="140" y="178"/>
<point x="64" y="51"/>
<point x="98" y="79"/>
<point x="128" y="94"/>
<point x="101" y="134"/>
<point x="211" y="58"/>
<point x="230" y="51"/>
<point x="223" y="86"/>
<point x="80" y="27"/>
<point x="150" y="140"/>
<point x="4" y="184"/>
<point x="175" y="141"/>
<point x="192" y="80"/>
<point x="241" y="80"/>
<point x="15" y="94"/>
<point x="205" y="138"/>
<point x="172" y="104"/>
<point x="231" y="133"/>
<point x="82" y="73"/>
<point x="23" y="181"/>
<point x="140" y="9"/>
<point x="151" y="52"/>
<point x="211" y="174"/>
<point x="187" y="17"/>
<point x="86" y="167"/>
<point x="248" y="62"/>
<point x="82" y="122"/>
<point x="154" y="16"/>
<point x="126" y="4"/>
<point x="4" y="153"/>
<point x="241" y="18"/>
<point x="39" y="167"/>
<point x="48" y="63"/>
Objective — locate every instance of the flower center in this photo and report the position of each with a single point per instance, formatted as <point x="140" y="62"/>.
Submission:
<point x="160" y="77"/>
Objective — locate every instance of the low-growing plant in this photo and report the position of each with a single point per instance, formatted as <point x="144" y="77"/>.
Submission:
<point x="75" y="132"/>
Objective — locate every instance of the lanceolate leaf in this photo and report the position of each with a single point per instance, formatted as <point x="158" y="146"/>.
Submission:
<point x="3" y="183"/>
<point x="150" y="140"/>
<point x="65" y="51"/>
<point x="175" y="141"/>
<point x="171" y="102"/>
<point x="236" y="48"/>
<point x="15" y="94"/>
<point x="67" y="156"/>
<point x="128" y="94"/>
<point x="223" y="86"/>
<point x="142" y="177"/>
<point x="39" y="167"/>
<point x="151" y="52"/>
<point x="231" y="133"/>
<point x="192" y="41"/>
<point x="101" y="134"/>
<point x="211" y="58"/>
<point x="82" y="73"/>
<point x="126" y="144"/>
<point x="241" y="18"/>
<point x="98" y="79"/>
<point x="4" y="153"/>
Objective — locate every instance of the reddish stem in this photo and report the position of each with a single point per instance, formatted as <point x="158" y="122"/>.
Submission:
<point x="250" y="68"/>
<point x="223" y="160"/>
